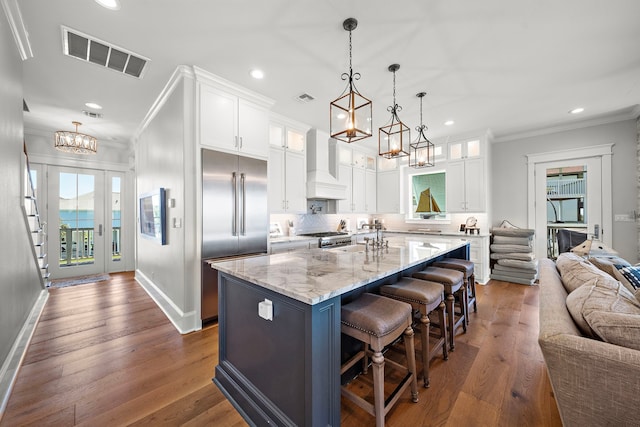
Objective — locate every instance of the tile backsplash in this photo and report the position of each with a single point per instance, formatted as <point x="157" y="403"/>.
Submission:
<point x="310" y="223"/>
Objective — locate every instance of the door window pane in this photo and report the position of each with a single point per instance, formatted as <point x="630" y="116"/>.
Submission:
<point x="115" y="219"/>
<point x="76" y="220"/>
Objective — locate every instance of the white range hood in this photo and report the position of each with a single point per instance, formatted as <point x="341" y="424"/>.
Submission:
<point x="321" y="184"/>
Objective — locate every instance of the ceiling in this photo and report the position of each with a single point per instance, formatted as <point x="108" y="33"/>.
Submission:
<point x="503" y="65"/>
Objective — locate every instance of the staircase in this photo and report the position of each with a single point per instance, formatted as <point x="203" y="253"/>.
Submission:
<point x="36" y="225"/>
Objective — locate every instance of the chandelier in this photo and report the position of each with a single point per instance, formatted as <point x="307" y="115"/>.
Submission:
<point x="421" y="152"/>
<point x="350" y="113"/>
<point x="391" y="138"/>
<point x="75" y="142"/>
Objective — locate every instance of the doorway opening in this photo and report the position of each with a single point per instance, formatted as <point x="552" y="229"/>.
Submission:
<point x="569" y="190"/>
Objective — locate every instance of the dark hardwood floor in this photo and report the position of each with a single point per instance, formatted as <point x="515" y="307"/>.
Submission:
<point x="105" y="355"/>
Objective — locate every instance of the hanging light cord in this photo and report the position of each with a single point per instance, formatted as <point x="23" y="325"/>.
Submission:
<point x="395" y="108"/>
<point x="351" y="76"/>
<point x="422" y="127"/>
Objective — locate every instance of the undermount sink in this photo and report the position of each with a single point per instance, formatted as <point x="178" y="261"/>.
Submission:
<point x="347" y="249"/>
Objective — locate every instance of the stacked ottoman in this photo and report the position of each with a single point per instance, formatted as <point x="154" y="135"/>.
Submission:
<point x="512" y="256"/>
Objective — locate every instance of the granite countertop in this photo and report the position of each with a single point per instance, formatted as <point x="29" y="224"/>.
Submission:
<point x="315" y="275"/>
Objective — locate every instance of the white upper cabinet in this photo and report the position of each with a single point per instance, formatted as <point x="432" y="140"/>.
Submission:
<point x="388" y="191"/>
<point x="466" y="177"/>
<point x="464" y="149"/>
<point x="231" y="118"/>
<point x="287" y="167"/>
<point x="357" y="171"/>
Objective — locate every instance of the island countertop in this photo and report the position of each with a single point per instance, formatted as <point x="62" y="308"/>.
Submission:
<point x="315" y="275"/>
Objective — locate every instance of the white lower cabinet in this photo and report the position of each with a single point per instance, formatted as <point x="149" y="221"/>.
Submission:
<point x="479" y="254"/>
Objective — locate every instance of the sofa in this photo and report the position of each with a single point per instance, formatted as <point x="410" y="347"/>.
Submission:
<point x="596" y="382"/>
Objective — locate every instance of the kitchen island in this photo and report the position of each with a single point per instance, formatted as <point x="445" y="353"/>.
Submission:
<point x="279" y="323"/>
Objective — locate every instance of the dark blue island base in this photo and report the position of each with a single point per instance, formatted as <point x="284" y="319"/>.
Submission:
<point x="286" y="371"/>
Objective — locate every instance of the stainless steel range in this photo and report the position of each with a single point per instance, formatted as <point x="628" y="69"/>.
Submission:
<point x="331" y="239"/>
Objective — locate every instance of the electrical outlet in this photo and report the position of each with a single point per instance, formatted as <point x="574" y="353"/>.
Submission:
<point x="265" y="309"/>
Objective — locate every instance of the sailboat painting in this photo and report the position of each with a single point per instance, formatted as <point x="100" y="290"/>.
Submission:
<point x="428" y="190"/>
<point x="427" y="203"/>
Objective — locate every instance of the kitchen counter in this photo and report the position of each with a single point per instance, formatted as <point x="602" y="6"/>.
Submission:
<point x="315" y="275"/>
<point x="280" y="345"/>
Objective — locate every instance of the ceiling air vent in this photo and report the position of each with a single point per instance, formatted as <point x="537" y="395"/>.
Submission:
<point x="304" y="97"/>
<point x="92" y="114"/>
<point x="91" y="49"/>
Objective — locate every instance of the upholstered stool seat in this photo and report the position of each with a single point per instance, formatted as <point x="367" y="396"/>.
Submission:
<point x="467" y="268"/>
<point x="424" y="297"/>
<point x="378" y="321"/>
<point x="454" y="284"/>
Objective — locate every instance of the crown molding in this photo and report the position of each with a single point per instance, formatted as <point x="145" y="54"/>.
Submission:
<point x="19" y="30"/>
<point x="180" y="72"/>
<point x="203" y="76"/>
<point x="630" y="113"/>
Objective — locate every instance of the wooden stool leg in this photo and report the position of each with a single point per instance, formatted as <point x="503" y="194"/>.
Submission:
<point x="424" y="331"/>
<point x="450" y="317"/>
<point x="365" y="358"/>
<point x="377" y="364"/>
<point x="475" y="297"/>
<point x="411" y="362"/>
<point x="464" y="307"/>
<point x="443" y="330"/>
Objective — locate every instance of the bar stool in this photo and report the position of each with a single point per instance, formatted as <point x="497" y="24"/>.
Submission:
<point x="424" y="297"/>
<point x="467" y="268"/>
<point x="378" y="321"/>
<point x="454" y="285"/>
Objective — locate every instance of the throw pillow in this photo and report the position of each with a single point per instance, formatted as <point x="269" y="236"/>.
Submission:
<point x="591" y="247"/>
<point x="613" y="314"/>
<point x="607" y="263"/>
<point x="629" y="276"/>
<point x="575" y="271"/>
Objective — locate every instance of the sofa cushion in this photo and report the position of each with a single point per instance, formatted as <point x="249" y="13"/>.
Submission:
<point x="576" y="271"/>
<point x="607" y="263"/>
<point x="613" y="314"/>
<point x="575" y="303"/>
<point x="629" y="276"/>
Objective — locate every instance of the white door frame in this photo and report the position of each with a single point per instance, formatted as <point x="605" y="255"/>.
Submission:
<point x="605" y="152"/>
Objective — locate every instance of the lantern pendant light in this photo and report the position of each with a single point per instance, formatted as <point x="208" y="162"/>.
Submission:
<point x="422" y="151"/>
<point x="394" y="138"/>
<point x="350" y="113"/>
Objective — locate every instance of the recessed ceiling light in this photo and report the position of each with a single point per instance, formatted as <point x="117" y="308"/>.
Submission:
<point x="94" y="105"/>
<point x="109" y="4"/>
<point x="449" y="123"/>
<point x="576" y="110"/>
<point x="257" y="74"/>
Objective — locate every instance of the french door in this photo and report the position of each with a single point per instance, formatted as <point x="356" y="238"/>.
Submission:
<point x="571" y="189"/>
<point x="84" y="221"/>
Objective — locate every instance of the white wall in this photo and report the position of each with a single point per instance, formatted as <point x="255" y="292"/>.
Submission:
<point x="165" y="155"/>
<point x="20" y="284"/>
<point x="509" y="174"/>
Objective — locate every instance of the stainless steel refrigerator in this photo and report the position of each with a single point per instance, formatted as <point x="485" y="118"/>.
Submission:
<point x="235" y="216"/>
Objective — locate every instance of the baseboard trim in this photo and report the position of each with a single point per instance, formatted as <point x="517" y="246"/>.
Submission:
<point x="183" y="322"/>
<point x="12" y="363"/>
